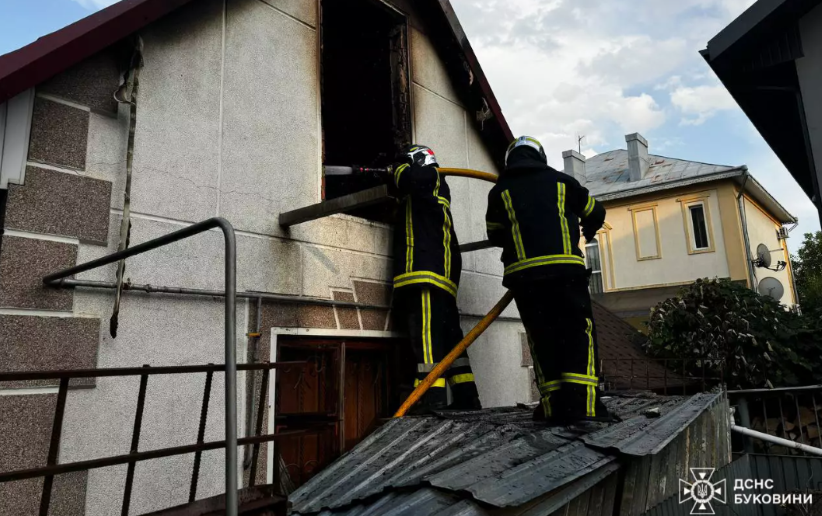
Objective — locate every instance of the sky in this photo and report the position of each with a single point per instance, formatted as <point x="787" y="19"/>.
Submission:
<point x="604" y="68"/>
<point x="566" y="68"/>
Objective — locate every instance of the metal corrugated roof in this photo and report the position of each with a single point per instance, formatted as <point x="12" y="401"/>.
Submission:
<point x="422" y="501"/>
<point x="640" y="436"/>
<point x="607" y="178"/>
<point x="460" y="462"/>
<point x="607" y="173"/>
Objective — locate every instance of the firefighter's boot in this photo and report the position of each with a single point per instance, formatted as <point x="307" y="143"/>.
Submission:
<point x="465" y="396"/>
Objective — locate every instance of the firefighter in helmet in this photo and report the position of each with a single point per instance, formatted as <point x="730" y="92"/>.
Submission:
<point x="536" y="215"/>
<point x="427" y="267"/>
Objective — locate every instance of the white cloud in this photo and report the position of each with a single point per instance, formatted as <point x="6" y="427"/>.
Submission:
<point x="95" y="5"/>
<point x="638" y="59"/>
<point x="639" y="114"/>
<point x="736" y="7"/>
<point x="598" y="68"/>
<point x="701" y="102"/>
<point x="670" y="83"/>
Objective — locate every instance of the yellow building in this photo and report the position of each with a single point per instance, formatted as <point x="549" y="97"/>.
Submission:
<point x="672" y="221"/>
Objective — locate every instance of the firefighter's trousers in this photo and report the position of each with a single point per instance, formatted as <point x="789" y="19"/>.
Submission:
<point x="429" y="316"/>
<point x="558" y="319"/>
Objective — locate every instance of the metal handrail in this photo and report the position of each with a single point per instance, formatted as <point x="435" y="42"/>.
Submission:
<point x="231" y="463"/>
<point x="160" y="289"/>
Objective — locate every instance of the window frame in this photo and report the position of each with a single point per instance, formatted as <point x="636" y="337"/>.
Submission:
<point x="688" y="223"/>
<point x="601" y="271"/>
<point x="15" y="130"/>
<point x="692" y="210"/>
<point x="403" y="128"/>
<point x="638" y="209"/>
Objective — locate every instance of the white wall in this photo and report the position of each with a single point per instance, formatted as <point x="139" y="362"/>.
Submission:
<point x="676" y="265"/>
<point x="762" y="230"/>
<point x="497" y="361"/>
<point x="228" y="125"/>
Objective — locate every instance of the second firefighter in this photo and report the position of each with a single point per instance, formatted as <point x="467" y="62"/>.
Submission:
<point x="427" y="267"/>
<point x="535" y="214"/>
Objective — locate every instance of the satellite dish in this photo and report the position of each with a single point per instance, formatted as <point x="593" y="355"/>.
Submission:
<point x="763" y="256"/>
<point x="771" y="287"/>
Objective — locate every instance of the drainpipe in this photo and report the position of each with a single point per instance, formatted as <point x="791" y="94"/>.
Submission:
<point x="254" y="343"/>
<point x="740" y="202"/>
<point x="773" y="439"/>
<point x="127" y="94"/>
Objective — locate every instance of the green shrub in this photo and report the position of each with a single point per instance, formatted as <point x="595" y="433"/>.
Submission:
<point x="807" y="269"/>
<point x="735" y="334"/>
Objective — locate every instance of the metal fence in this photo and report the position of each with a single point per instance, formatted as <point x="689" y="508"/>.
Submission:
<point x="790" y="475"/>
<point x="134" y="456"/>
<point x="667" y="376"/>
<point x="791" y="413"/>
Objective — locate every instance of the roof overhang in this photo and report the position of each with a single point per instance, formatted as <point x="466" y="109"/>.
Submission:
<point x="56" y="52"/>
<point x="752" y="187"/>
<point x="755" y="190"/>
<point x="466" y="69"/>
<point x="754" y="57"/>
<point x="27" y="67"/>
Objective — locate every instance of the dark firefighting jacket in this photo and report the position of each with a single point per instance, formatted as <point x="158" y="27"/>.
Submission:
<point x="534" y="214"/>
<point x="426" y="250"/>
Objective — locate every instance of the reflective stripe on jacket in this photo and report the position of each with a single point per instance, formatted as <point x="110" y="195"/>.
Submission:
<point x="534" y="214"/>
<point x="426" y="250"/>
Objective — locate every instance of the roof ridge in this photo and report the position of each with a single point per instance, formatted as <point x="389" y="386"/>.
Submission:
<point x="700" y="162"/>
<point x="730" y="167"/>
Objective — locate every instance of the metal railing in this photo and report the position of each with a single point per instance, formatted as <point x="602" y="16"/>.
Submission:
<point x="665" y="375"/>
<point x="788" y="412"/>
<point x="134" y="456"/>
<point x="230" y="326"/>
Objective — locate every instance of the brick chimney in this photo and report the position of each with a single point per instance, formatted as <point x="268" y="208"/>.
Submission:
<point x="638" y="160"/>
<point x="574" y="165"/>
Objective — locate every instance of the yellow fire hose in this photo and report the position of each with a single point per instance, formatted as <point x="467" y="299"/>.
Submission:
<point x="469" y="339"/>
<point x="446" y="362"/>
<point x="467" y="172"/>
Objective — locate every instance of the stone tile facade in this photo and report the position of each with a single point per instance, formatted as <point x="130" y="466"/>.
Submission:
<point x="29" y="343"/>
<point x="23" y="263"/>
<point x="61" y="204"/>
<point x="59" y="134"/>
<point x="90" y="83"/>
<point x="25" y="432"/>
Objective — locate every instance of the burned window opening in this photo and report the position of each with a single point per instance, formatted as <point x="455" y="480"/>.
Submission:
<point x="366" y="108"/>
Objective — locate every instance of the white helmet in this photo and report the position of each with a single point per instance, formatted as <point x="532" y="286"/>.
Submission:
<point x="526" y="141"/>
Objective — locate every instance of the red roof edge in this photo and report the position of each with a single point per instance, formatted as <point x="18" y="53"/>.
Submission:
<point x="39" y="61"/>
<point x="51" y="54"/>
<point x="476" y="69"/>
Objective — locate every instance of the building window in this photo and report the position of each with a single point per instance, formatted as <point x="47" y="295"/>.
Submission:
<point x="593" y="261"/>
<point x="15" y="126"/>
<point x="699" y="226"/>
<point x="366" y="118"/>
<point x="696" y="216"/>
<point x="646" y="232"/>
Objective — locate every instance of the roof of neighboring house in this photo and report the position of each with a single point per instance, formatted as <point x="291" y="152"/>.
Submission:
<point x="754" y="57"/>
<point x="53" y="53"/>
<point x="624" y="365"/>
<point x="466" y="462"/>
<point x="607" y="177"/>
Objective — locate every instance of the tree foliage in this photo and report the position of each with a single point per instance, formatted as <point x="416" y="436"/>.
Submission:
<point x="735" y="334"/>
<point x="807" y="269"/>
